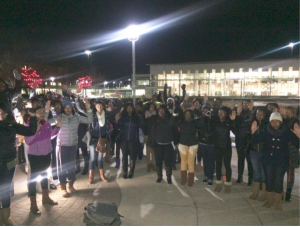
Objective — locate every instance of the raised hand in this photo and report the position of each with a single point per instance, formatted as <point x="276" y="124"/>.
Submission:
<point x="296" y="130"/>
<point x="87" y="103"/>
<point x="232" y="115"/>
<point x="254" y="127"/>
<point x="186" y="97"/>
<point x="239" y="109"/>
<point x="232" y="104"/>
<point x="48" y="105"/>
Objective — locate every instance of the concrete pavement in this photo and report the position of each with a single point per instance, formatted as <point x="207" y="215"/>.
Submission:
<point x="142" y="201"/>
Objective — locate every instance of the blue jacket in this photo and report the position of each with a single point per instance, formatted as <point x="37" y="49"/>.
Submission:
<point x="129" y="128"/>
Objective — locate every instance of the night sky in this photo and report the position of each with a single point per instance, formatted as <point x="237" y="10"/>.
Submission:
<point x="55" y="31"/>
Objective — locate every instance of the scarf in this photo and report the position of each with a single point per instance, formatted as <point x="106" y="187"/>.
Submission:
<point x="101" y="118"/>
<point x="277" y="133"/>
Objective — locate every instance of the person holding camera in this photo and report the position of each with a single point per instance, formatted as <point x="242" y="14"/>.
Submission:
<point x="39" y="156"/>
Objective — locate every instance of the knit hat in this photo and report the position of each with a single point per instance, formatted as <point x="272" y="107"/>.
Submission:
<point x="67" y="103"/>
<point x="276" y="116"/>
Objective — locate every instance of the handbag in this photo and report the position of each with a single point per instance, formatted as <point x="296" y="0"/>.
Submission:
<point x="102" y="145"/>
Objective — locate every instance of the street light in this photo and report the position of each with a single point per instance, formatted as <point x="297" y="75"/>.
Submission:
<point x="291" y="45"/>
<point x="105" y="82"/>
<point x="52" y="79"/>
<point x="114" y="84"/>
<point x="88" y="53"/>
<point x="133" y="36"/>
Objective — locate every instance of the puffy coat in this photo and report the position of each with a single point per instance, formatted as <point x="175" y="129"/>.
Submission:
<point x="294" y="152"/>
<point x="129" y="128"/>
<point x="8" y="133"/>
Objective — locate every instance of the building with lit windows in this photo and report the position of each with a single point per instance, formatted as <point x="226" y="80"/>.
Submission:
<point x="236" y="78"/>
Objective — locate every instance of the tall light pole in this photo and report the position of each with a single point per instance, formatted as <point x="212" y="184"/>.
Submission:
<point x="88" y="53"/>
<point x="133" y="36"/>
<point x="114" y="84"/>
<point x="291" y="45"/>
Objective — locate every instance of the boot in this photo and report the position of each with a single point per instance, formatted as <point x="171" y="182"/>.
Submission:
<point x="255" y="190"/>
<point x="86" y="166"/>
<point x="6" y="217"/>
<point x="102" y="177"/>
<point x="46" y="199"/>
<point x="125" y="176"/>
<point x="63" y="188"/>
<point x="132" y="167"/>
<point x="33" y="206"/>
<point x="117" y="163"/>
<point x="263" y="195"/>
<point x="191" y="179"/>
<point x="71" y="187"/>
<point x="91" y="176"/>
<point x="239" y="180"/>
<point x="277" y="198"/>
<point x="183" y="177"/>
<point x="218" y="187"/>
<point x="270" y="200"/>
<point x="288" y="195"/>
<point x="148" y="168"/>
<point x="159" y="174"/>
<point x="227" y="189"/>
<point x="169" y="175"/>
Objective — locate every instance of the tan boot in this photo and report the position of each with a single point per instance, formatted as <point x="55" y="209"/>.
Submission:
<point x="277" y="198"/>
<point x="102" y="177"/>
<point x="71" y="188"/>
<point x="190" y="179"/>
<point x="263" y="195"/>
<point x="270" y="200"/>
<point x="227" y="189"/>
<point x="183" y="177"/>
<point x="1" y="218"/>
<point x="46" y="199"/>
<point x="255" y="190"/>
<point x="33" y="206"/>
<point x="91" y="176"/>
<point x="218" y="187"/>
<point x="6" y="217"/>
<point x="64" y="192"/>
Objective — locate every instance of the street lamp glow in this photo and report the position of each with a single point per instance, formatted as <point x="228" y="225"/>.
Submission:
<point x="291" y="45"/>
<point x="105" y="82"/>
<point x="52" y="78"/>
<point x="88" y="52"/>
<point x="133" y="33"/>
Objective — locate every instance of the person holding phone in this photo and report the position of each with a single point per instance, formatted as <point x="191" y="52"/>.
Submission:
<point x="39" y="156"/>
<point x="8" y="130"/>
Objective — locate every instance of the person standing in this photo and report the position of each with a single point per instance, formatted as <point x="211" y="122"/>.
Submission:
<point x="39" y="155"/>
<point x="275" y="157"/>
<point x="8" y="130"/>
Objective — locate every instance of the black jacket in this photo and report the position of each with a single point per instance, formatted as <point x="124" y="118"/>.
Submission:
<point x="243" y="123"/>
<point x="205" y="135"/>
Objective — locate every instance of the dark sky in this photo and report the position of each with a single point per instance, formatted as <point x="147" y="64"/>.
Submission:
<point x="49" y="31"/>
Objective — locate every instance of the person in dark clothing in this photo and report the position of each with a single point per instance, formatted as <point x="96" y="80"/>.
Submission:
<point x="188" y="145"/>
<point x="244" y="113"/>
<point x="290" y="121"/>
<point x="8" y="130"/>
<point x="140" y="113"/>
<point x="129" y="123"/>
<point x="255" y="155"/>
<point x="163" y="148"/>
<point x="206" y="146"/>
<point x="275" y="157"/>
<point x="220" y="129"/>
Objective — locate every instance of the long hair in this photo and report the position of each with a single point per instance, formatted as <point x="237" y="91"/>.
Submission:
<point x="125" y="113"/>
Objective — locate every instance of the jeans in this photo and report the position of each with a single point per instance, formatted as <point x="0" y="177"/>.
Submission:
<point x="38" y="167"/>
<point x="207" y="152"/>
<point x="164" y="153"/>
<point x="188" y="154"/>
<point x="95" y="156"/>
<point x="66" y="156"/>
<point x="6" y="178"/>
<point x="274" y="177"/>
<point x="258" y="170"/>
<point x="129" y="148"/>
<point x="223" y="154"/>
<point x="242" y="155"/>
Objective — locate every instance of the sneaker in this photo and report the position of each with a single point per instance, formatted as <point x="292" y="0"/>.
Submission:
<point x="205" y="180"/>
<point x="209" y="183"/>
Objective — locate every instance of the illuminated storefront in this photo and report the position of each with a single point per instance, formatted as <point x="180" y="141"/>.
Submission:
<point x="243" y="78"/>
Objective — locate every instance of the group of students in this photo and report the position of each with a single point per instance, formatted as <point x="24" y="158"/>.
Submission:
<point x="54" y="129"/>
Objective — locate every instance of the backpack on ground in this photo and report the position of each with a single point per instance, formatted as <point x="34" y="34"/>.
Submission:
<point x="102" y="214"/>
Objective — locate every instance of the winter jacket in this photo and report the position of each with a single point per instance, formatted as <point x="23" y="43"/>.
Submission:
<point x="68" y="134"/>
<point x="294" y="152"/>
<point x="275" y="150"/>
<point x="205" y="135"/>
<point x="40" y="143"/>
<point x="96" y="130"/>
<point x="258" y="146"/>
<point x="8" y="133"/>
<point x="243" y="123"/>
<point x="129" y="128"/>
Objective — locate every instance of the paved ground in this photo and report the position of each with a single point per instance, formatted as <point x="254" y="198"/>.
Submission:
<point x="142" y="201"/>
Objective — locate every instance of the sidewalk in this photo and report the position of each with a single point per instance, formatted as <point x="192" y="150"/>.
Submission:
<point x="142" y="201"/>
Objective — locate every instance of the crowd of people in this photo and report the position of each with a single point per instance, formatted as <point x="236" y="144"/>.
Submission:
<point x="48" y="132"/>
